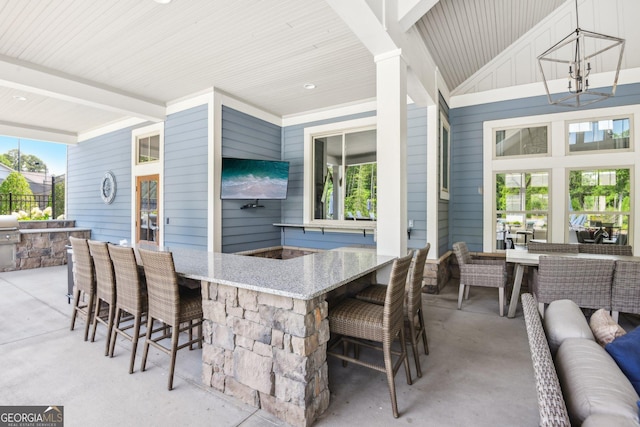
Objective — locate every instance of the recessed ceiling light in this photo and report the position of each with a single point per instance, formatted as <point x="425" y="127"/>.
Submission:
<point x="19" y="98"/>
<point x="309" y="86"/>
<point x="163" y="1"/>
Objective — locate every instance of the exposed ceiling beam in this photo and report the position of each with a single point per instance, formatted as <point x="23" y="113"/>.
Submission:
<point x="38" y="133"/>
<point x="365" y="25"/>
<point x="31" y="78"/>
<point x="387" y="36"/>
<point x="410" y="11"/>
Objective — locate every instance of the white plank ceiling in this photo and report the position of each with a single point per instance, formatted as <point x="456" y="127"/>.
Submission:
<point x="82" y="64"/>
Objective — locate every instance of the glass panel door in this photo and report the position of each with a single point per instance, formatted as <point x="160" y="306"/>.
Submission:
<point x="147" y="207"/>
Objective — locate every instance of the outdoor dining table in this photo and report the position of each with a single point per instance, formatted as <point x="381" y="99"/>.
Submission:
<point x="522" y="258"/>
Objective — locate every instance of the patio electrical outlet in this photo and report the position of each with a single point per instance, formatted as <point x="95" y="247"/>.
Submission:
<point x="167" y="221"/>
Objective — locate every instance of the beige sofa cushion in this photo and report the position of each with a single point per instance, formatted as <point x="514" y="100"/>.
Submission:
<point x="563" y="319"/>
<point x="592" y="383"/>
<point x="604" y="328"/>
<point x="601" y="420"/>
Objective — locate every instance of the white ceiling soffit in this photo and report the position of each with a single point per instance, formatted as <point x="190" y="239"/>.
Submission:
<point x="463" y="36"/>
<point x="518" y="64"/>
<point x="144" y="55"/>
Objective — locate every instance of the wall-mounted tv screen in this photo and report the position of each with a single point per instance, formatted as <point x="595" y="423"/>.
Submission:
<point x="254" y="179"/>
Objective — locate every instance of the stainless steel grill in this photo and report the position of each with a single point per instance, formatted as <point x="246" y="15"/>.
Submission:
<point x="9" y="237"/>
<point x="9" y="230"/>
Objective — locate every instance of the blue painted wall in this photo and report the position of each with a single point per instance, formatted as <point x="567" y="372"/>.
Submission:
<point x="87" y="163"/>
<point x="244" y="136"/>
<point x="185" y="186"/>
<point x="466" y="220"/>
<point x="185" y="178"/>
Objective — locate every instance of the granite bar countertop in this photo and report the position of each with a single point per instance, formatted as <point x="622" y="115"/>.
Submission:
<point x="52" y="230"/>
<point x="304" y="277"/>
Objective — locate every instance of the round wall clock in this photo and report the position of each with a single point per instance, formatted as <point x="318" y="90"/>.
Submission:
<point x="108" y="187"/>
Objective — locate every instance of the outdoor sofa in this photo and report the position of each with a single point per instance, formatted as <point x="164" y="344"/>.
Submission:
<point x="581" y="384"/>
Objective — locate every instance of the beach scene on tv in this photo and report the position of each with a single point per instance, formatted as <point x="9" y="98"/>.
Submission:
<point x="254" y="179"/>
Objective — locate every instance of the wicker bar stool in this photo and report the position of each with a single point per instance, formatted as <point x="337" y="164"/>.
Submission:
<point x="478" y="272"/>
<point x="105" y="289"/>
<point x="354" y="321"/>
<point x="85" y="283"/>
<point x="412" y="304"/>
<point x="132" y="298"/>
<point x="171" y="304"/>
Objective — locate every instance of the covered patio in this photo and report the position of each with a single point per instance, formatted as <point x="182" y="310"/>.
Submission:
<point x="479" y="369"/>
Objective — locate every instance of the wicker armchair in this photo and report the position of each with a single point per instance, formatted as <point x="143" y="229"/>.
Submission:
<point x="587" y="282"/>
<point x="132" y="298"/>
<point x="105" y="290"/>
<point x="85" y="283"/>
<point x="354" y="321"/>
<point x="478" y="272"/>
<point x="551" y="405"/>
<point x="625" y="292"/>
<point x="412" y="304"/>
<point x="171" y="304"/>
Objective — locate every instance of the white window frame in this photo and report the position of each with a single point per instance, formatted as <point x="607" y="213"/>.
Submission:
<point x="444" y="189"/>
<point x="558" y="162"/>
<point x="147" y="168"/>
<point x="318" y="131"/>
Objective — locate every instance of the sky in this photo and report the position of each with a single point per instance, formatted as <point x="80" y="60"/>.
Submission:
<point x="52" y="154"/>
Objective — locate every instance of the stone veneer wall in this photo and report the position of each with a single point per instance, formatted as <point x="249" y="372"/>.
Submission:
<point x="46" y="248"/>
<point x="267" y="350"/>
<point x="436" y="274"/>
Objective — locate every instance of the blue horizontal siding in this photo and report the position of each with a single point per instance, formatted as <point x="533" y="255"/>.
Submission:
<point x="185" y="178"/>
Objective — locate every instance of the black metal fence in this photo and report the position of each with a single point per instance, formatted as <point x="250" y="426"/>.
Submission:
<point x="26" y="202"/>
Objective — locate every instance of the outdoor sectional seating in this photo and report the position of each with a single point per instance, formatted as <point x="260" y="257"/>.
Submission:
<point x="581" y="384"/>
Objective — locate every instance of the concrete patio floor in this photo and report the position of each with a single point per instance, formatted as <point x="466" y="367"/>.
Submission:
<point x="478" y="371"/>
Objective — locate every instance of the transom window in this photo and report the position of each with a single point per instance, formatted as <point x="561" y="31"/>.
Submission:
<point x="148" y="148"/>
<point x="521" y="141"/>
<point x="345" y="176"/>
<point x="594" y="135"/>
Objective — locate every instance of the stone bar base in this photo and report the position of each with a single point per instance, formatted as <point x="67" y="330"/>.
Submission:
<point x="267" y="350"/>
<point x="436" y="273"/>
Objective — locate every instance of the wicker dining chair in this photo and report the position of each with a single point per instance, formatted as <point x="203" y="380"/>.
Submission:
<point x="105" y="289"/>
<point x="412" y="303"/>
<point x="354" y="321"/>
<point x="132" y="298"/>
<point x="171" y="304"/>
<point x="479" y="272"/>
<point x="85" y="283"/>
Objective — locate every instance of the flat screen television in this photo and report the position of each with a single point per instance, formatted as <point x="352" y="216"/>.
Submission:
<point x="244" y="179"/>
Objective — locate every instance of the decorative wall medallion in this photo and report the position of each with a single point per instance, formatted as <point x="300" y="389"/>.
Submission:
<point x="108" y="187"/>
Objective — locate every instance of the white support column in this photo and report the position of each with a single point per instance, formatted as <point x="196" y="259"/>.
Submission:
<point x="392" y="154"/>
<point x="215" y="163"/>
<point x="433" y="179"/>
